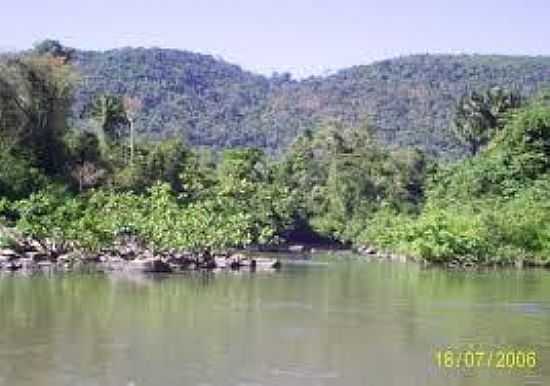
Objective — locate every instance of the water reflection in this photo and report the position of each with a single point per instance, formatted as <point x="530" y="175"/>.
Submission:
<point x="343" y="323"/>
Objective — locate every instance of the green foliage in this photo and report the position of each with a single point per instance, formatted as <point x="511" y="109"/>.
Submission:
<point x="167" y="161"/>
<point x="110" y="113"/>
<point x="410" y="101"/>
<point x="247" y="181"/>
<point x="341" y="177"/>
<point x="18" y="177"/>
<point x="6" y="241"/>
<point x="95" y="220"/>
<point x="88" y="189"/>
<point x="478" y="116"/>
<point x="35" y="101"/>
<point x="493" y="208"/>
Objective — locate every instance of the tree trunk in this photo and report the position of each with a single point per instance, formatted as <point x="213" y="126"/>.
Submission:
<point x="131" y="142"/>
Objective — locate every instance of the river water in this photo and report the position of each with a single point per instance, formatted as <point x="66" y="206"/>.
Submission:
<point x="337" y="323"/>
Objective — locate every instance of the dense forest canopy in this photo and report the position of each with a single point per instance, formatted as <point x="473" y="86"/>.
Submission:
<point x="86" y="180"/>
<point x="409" y="101"/>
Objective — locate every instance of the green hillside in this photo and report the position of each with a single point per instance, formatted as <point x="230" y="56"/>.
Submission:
<point x="408" y="100"/>
<point x="88" y="190"/>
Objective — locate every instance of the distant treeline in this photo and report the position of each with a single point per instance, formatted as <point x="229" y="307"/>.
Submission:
<point x="409" y="101"/>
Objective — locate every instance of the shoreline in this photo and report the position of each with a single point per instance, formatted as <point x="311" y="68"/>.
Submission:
<point x="130" y="255"/>
<point x="26" y="254"/>
<point x="458" y="262"/>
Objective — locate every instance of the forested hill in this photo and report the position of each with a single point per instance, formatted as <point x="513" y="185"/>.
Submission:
<point x="409" y="100"/>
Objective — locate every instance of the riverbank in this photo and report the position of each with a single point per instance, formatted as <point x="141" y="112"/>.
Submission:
<point x="127" y="254"/>
<point x="457" y="262"/>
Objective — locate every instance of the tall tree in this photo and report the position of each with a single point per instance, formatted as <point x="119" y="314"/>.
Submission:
<point x="35" y="100"/>
<point x="132" y="106"/>
<point x="86" y="159"/>
<point x="111" y="115"/>
<point x="478" y="116"/>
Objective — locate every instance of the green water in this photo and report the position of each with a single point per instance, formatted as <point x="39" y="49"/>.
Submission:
<point x="345" y="323"/>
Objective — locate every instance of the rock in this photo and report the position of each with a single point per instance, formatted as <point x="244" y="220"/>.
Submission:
<point x="35" y="245"/>
<point x="115" y="263"/>
<point x="67" y="258"/>
<point x="8" y="252"/>
<point x="452" y="265"/>
<point x="149" y="265"/>
<point x="236" y="260"/>
<point x="6" y="259"/>
<point x="172" y="259"/>
<point x="66" y="266"/>
<point x="362" y="249"/>
<point x="237" y="257"/>
<point x="193" y="265"/>
<point x="36" y="256"/>
<point x="27" y="263"/>
<point x="208" y="264"/>
<point x="103" y="258"/>
<point x="115" y="260"/>
<point x="180" y="262"/>
<point x="46" y="265"/>
<point x="265" y="263"/>
<point x="7" y="255"/>
<point x="222" y="262"/>
<point x="234" y="265"/>
<point x="145" y="255"/>
<point x="13" y="265"/>
<point x="296" y="248"/>
<point x="93" y="258"/>
<point x="469" y="265"/>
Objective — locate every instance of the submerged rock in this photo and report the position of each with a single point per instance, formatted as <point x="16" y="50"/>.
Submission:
<point x="149" y="265"/>
<point x="296" y="248"/>
<point x="13" y="265"/>
<point x="37" y="256"/>
<point x="127" y="255"/>
<point x="222" y="262"/>
<point x="7" y="255"/>
<point x="265" y="263"/>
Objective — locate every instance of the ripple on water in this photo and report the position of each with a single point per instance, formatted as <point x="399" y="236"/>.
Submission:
<point x="304" y="373"/>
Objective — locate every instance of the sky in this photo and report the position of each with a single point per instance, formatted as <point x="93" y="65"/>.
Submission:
<point x="303" y="37"/>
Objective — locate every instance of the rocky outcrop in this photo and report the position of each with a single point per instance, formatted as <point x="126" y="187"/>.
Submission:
<point x="125" y="255"/>
<point x="148" y="265"/>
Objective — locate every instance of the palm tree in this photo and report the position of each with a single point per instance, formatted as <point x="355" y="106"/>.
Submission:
<point x="131" y="108"/>
<point x="109" y="111"/>
<point x="479" y="116"/>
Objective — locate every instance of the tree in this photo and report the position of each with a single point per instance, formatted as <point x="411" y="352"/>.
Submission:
<point x="132" y="106"/>
<point x="55" y="49"/>
<point x="478" y="116"/>
<point x="111" y="115"/>
<point x="35" y="100"/>
<point x="85" y="155"/>
<point x="241" y="166"/>
<point x="88" y="175"/>
<point x="166" y="162"/>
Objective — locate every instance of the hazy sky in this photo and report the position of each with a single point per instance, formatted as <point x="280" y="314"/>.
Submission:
<point x="299" y="36"/>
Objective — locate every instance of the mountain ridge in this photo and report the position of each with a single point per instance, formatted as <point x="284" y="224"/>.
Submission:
<point x="409" y="100"/>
